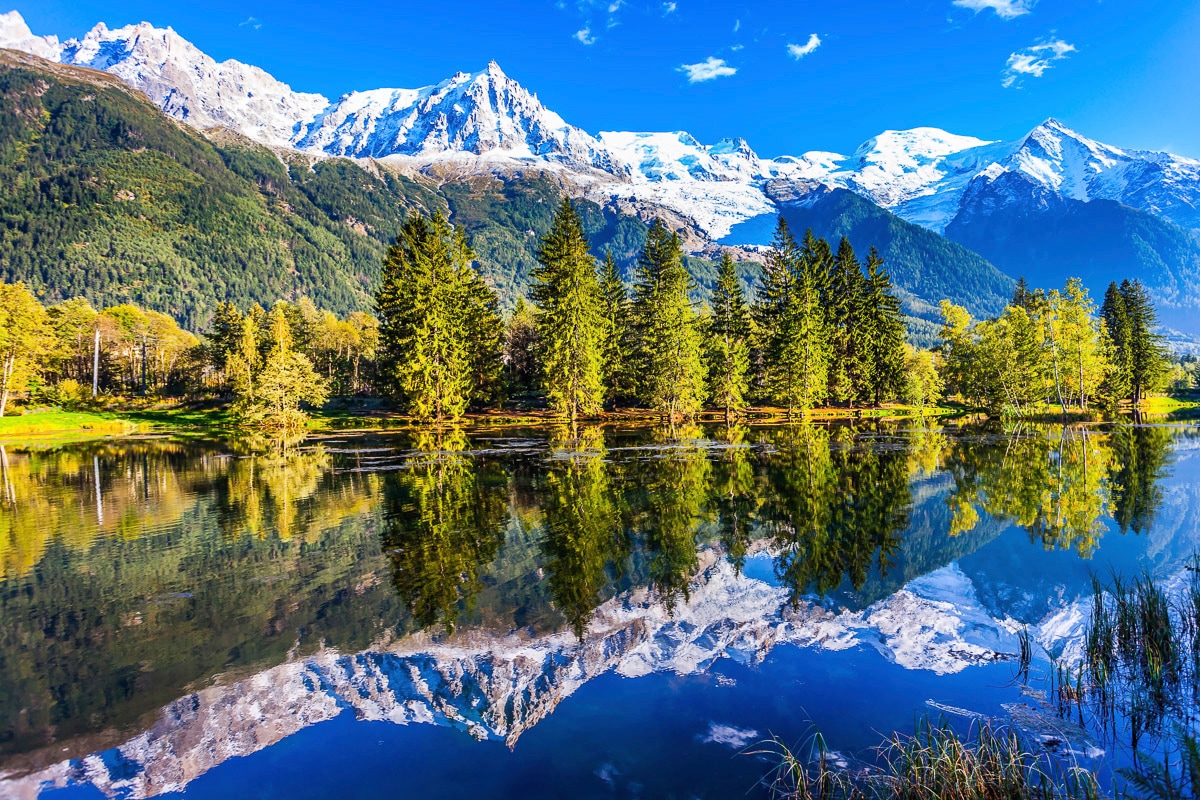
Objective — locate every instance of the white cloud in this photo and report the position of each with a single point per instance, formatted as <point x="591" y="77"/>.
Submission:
<point x="585" y="36"/>
<point x="707" y="70"/>
<point x="799" y="51"/>
<point x="1034" y="61"/>
<point x="1005" y="9"/>
<point x="737" y="25"/>
<point x="730" y="735"/>
<point x="615" y="6"/>
<point x="669" y="8"/>
<point x="251" y="22"/>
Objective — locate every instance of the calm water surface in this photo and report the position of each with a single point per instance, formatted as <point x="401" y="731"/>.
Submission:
<point x="519" y="613"/>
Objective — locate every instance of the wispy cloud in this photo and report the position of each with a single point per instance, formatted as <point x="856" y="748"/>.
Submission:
<point x="707" y="70"/>
<point x="737" y="25"/>
<point x="669" y="8"/>
<point x="584" y="36"/>
<point x="1005" y="9"/>
<point x="1033" y="61"/>
<point x="251" y="22"/>
<point x="799" y="51"/>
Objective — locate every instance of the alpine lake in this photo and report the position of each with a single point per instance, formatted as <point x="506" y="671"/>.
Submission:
<point x="622" y="611"/>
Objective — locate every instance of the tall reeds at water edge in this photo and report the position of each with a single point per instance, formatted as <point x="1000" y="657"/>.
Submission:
<point x="989" y="763"/>
<point x="1142" y="668"/>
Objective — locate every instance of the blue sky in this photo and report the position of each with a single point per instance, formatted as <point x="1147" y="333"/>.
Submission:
<point x="787" y="77"/>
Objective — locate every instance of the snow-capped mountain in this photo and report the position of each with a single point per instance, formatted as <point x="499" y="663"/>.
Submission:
<point x="471" y="113"/>
<point x="477" y="113"/>
<point x="922" y="174"/>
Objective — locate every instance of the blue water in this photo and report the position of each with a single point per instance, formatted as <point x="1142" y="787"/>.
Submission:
<point x="221" y="628"/>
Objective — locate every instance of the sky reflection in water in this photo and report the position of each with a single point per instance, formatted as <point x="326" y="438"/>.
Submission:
<point x="617" y="613"/>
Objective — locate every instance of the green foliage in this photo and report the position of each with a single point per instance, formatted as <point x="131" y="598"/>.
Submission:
<point x="794" y="348"/>
<point x="440" y="335"/>
<point x="1045" y="348"/>
<point x="571" y="322"/>
<point x="728" y="342"/>
<point x="269" y="398"/>
<point x="669" y="359"/>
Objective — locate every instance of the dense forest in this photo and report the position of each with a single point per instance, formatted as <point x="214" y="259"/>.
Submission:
<point x="819" y="328"/>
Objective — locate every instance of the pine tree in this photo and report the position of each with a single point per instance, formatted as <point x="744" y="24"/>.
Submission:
<point x="849" y="327"/>
<point x="426" y="360"/>
<point x="792" y="335"/>
<point x="571" y="317"/>
<point x="669" y="356"/>
<point x="287" y="380"/>
<point x="885" y="347"/>
<point x="1022" y="296"/>
<point x="1147" y="356"/>
<point x="728" y="346"/>
<point x="1118" y="385"/>
<point x="618" y="334"/>
<point x="483" y="328"/>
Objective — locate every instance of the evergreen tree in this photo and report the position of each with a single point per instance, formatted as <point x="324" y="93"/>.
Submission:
<point x="728" y="346"/>
<point x="224" y="334"/>
<point x="1118" y="385"/>
<point x="792" y="323"/>
<point x="571" y="324"/>
<point x="286" y="380"/>
<point x="618" y="334"/>
<point x="1147" y="356"/>
<point x="886" y="335"/>
<point x="848" y="327"/>
<point x="669" y="356"/>
<point x="1022" y="296"/>
<point x="423" y="304"/>
<point x="484" y="329"/>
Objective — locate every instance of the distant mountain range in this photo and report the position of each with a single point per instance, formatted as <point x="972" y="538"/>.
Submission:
<point x="1050" y="205"/>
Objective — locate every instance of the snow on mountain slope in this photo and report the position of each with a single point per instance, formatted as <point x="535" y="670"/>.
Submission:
<point x="483" y="112"/>
<point x="15" y="35"/>
<point x="180" y="79"/>
<point x="485" y="118"/>
<point x="475" y="113"/>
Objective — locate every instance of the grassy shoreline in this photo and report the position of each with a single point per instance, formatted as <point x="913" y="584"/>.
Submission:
<point x="55" y="426"/>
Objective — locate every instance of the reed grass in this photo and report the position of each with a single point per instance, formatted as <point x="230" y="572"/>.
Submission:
<point x="989" y="763"/>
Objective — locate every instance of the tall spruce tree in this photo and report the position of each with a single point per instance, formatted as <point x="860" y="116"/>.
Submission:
<point x="728" y="341"/>
<point x="483" y="327"/>
<point x="1118" y="384"/>
<point x="885" y="347"/>
<point x="849" y="327"/>
<point x="669" y="357"/>
<point x="1147" y="354"/>
<point x="618" y="334"/>
<point x="439" y="333"/>
<point x="792" y="335"/>
<point x="571" y="325"/>
<point x="1022" y="295"/>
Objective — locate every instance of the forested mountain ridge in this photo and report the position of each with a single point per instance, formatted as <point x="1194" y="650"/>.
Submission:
<point x="104" y="196"/>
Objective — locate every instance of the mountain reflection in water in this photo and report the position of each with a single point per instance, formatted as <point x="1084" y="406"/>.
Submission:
<point x="167" y="606"/>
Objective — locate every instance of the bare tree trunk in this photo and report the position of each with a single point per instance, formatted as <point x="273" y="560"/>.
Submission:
<point x="96" y="365"/>
<point x="9" y="364"/>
